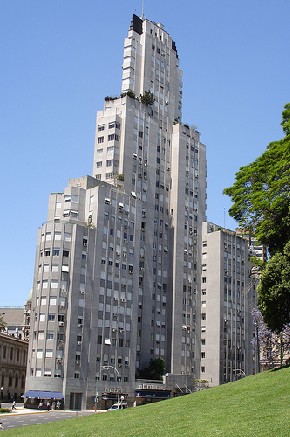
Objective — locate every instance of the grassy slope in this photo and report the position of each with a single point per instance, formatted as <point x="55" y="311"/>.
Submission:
<point x="254" y="406"/>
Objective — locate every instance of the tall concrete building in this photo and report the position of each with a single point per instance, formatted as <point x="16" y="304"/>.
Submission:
<point x="117" y="274"/>
<point x="227" y="299"/>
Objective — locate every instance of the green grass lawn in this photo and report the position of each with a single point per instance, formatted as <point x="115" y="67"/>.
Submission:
<point x="254" y="406"/>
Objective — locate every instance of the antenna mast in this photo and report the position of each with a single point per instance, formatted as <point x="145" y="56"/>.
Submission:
<point x="142" y="12"/>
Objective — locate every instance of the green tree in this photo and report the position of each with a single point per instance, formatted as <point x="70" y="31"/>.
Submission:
<point x="155" y="370"/>
<point x="274" y="291"/>
<point x="147" y="98"/>
<point x="261" y="204"/>
<point x="261" y="193"/>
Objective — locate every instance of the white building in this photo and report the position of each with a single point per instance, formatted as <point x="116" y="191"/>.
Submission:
<point x="226" y="304"/>
<point x="117" y="273"/>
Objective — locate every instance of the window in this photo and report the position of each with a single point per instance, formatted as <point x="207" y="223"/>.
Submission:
<point x="54" y="284"/>
<point x="66" y="253"/>
<point x="100" y="140"/>
<point x="57" y="235"/>
<point x="99" y="164"/>
<point x="55" y="251"/>
<point x="101" y="127"/>
<point x="52" y="301"/>
<point x="47" y="252"/>
<point x="202" y="369"/>
<point x="49" y="335"/>
<point x="51" y="317"/>
<point x="100" y="151"/>
<point x="48" y="353"/>
<point x="109" y="162"/>
<point x="202" y="354"/>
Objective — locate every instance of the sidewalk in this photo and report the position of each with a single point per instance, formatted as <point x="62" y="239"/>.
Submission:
<point x="22" y="410"/>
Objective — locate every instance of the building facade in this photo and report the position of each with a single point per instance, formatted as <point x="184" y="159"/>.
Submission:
<point x="117" y="275"/>
<point x="227" y="298"/>
<point x="13" y="362"/>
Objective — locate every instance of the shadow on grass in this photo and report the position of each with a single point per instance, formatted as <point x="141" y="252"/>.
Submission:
<point x="280" y="368"/>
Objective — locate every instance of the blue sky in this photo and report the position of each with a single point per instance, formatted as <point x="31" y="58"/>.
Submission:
<point x="59" y="59"/>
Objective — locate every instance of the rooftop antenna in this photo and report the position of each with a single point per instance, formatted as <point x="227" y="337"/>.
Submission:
<point x="142" y="12"/>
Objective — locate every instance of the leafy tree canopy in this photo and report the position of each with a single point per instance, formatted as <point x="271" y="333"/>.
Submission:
<point x="274" y="291"/>
<point x="261" y="193"/>
<point x="155" y="370"/>
<point x="147" y="98"/>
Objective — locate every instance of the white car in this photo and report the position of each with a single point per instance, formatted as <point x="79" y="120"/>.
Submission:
<point x="118" y="406"/>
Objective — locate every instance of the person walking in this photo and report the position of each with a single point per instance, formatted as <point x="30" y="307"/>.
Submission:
<point x="1" y="426"/>
<point x="48" y="406"/>
<point x="13" y="405"/>
<point x="58" y="405"/>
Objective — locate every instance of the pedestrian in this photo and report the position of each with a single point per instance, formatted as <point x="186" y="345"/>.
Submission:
<point x="40" y="405"/>
<point x="1" y="426"/>
<point x="48" y="406"/>
<point x="53" y="405"/>
<point x="58" y="405"/>
<point x="13" y="405"/>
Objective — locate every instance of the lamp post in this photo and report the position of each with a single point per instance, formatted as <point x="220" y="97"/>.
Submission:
<point x="115" y="370"/>
<point x="241" y="372"/>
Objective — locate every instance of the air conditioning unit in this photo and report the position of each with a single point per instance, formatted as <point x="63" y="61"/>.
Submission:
<point x="61" y="324"/>
<point x="82" y="291"/>
<point x="77" y="362"/>
<point x="85" y="243"/>
<point x="79" y="343"/>
<point x="80" y="325"/>
<point x="123" y="300"/>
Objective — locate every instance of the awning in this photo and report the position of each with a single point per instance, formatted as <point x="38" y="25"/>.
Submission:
<point x="41" y="394"/>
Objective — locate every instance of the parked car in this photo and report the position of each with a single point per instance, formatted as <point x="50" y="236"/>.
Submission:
<point x="118" y="406"/>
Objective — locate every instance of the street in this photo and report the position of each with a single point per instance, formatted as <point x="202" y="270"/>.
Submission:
<point x="14" y="420"/>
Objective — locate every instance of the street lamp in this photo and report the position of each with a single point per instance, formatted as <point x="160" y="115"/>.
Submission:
<point x="241" y="372"/>
<point x="118" y="376"/>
